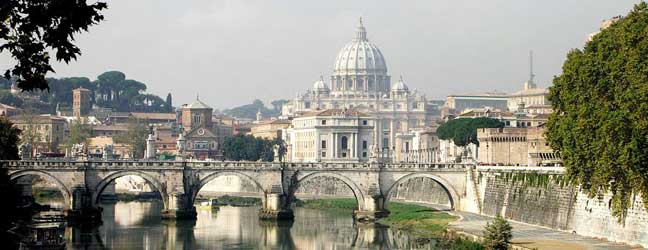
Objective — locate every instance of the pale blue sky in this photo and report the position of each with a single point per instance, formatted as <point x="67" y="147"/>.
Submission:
<point x="233" y="51"/>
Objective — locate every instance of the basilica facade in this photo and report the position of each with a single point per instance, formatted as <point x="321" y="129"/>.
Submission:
<point x="360" y="81"/>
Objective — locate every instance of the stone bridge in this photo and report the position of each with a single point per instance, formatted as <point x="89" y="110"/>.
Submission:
<point x="82" y="182"/>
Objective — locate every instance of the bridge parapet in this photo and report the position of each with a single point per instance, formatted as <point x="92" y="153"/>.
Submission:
<point x="428" y="166"/>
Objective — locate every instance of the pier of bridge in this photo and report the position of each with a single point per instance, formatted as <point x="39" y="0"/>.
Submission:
<point x="178" y="182"/>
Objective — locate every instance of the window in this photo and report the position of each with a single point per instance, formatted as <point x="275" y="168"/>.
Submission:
<point x="364" y="144"/>
<point x="323" y="143"/>
<point x="364" y="154"/>
<point x="345" y="142"/>
<point x="323" y="122"/>
<point x="323" y="153"/>
<point x="385" y="143"/>
<point x="307" y="105"/>
<point x="364" y="122"/>
<point x="415" y="105"/>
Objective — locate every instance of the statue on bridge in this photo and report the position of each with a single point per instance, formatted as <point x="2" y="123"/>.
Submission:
<point x="108" y="150"/>
<point x="25" y="151"/>
<point x="79" y="150"/>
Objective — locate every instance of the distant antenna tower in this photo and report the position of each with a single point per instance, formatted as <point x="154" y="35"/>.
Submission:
<point x="531" y="74"/>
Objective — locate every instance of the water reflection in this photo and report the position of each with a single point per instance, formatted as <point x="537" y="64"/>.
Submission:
<point x="137" y="225"/>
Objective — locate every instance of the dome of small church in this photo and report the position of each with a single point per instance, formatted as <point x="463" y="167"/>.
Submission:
<point x="320" y="86"/>
<point x="400" y="86"/>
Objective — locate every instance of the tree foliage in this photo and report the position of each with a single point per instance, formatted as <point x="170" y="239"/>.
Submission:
<point x="31" y="28"/>
<point x="600" y="126"/>
<point x="8" y="151"/>
<point x="79" y="133"/>
<point x="250" y="148"/>
<point x="463" y="131"/>
<point x="9" y="137"/>
<point x="498" y="234"/>
<point x="249" y="111"/>
<point x="111" y="90"/>
<point x="136" y="136"/>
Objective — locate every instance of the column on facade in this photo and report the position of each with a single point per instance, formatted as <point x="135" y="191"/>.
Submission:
<point x="334" y="145"/>
<point x="391" y="134"/>
<point x="318" y="155"/>
<point x="331" y="145"/>
<point x="356" y="149"/>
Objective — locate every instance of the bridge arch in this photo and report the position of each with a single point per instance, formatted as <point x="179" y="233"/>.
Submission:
<point x="217" y="174"/>
<point x="348" y="182"/>
<point x="113" y="176"/>
<point x="65" y="191"/>
<point x="452" y="193"/>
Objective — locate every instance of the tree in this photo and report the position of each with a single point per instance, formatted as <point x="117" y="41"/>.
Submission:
<point x="30" y="134"/>
<point x="9" y="137"/>
<point x="463" y="131"/>
<point x="79" y="133"/>
<point x="249" y="111"/>
<point x="136" y="136"/>
<point x="169" y="103"/>
<point x="600" y="101"/>
<point x="8" y="151"/>
<point x="31" y="28"/>
<point x="249" y="148"/>
<point x="8" y="98"/>
<point x="498" y="234"/>
<point x="278" y="104"/>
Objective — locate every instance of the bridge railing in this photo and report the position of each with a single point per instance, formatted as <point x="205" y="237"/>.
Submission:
<point x="59" y="163"/>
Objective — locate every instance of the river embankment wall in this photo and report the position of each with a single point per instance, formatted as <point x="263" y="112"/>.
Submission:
<point x="546" y="198"/>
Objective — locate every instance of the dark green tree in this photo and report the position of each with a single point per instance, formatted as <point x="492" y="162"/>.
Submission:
<point x="31" y="28"/>
<point x="9" y="138"/>
<point x="599" y="126"/>
<point x="278" y="104"/>
<point x="463" y="131"/>
<point x="79" y="133"/>
<point x="249" y="148"/>
<point x="8" y="98"/>
<point x="8" y="208"/>
<point x="498" y="234"/>
<point x="169" y="103"/>
<point x="136" y="136"/>
<point x="249" y="111"/>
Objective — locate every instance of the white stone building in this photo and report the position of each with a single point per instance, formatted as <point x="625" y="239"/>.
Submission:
<point x="360" y="81"/>
<point x="344" y="135"/>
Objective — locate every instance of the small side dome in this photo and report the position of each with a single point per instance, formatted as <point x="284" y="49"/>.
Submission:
<point x="400" y="86"/>
<point x="320" y="86"/>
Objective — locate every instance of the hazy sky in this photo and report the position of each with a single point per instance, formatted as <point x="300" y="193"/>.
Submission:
<point x="234" y="51"/>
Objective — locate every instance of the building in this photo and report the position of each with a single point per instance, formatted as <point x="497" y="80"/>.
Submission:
<point x="8" y="111"/>
<point x="530" y="99"/>
<point x="457" y="104"/>
<point x="515" y="147"/>
<point x="44" y="132"/>
<point x="96" y="146"/>
<point x="81" y="104"/>
<point x="270" y="129"/>
<point x="109" y="130"/>
<point x="155" y="118"/>
<point x="344" y="135"/>
<point x="510" y="119"/>
<point x="360" y="81"/>
<point x="421" y="146"/>
<point x="203" y="136"/>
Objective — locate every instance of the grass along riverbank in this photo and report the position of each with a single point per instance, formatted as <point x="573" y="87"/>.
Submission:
<point x="419" y="221"/>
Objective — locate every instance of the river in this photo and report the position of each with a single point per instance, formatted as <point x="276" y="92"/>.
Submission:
<point x="138" y="225"/>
